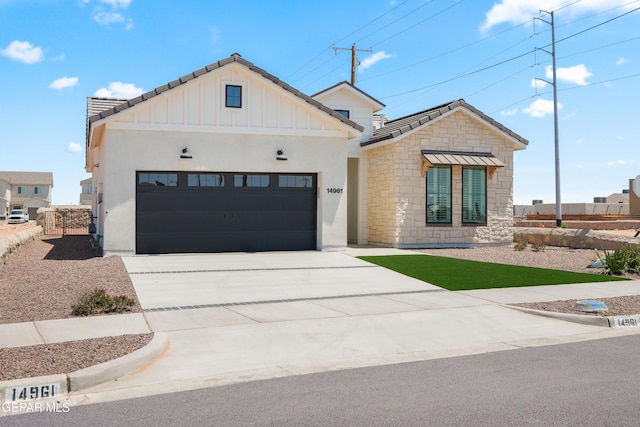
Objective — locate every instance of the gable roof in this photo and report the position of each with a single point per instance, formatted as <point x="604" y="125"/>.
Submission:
<point x="379" y="105"/>
<point x="103" y="108"/>
<point x="27" y="178"/>
<point x="397" y="127"/>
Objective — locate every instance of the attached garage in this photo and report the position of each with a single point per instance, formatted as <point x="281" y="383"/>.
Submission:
<point x="188" y="212"/>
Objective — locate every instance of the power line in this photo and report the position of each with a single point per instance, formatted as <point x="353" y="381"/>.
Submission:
<point x="447" y="53"/>
<point x="338" y="41"/>
<point x="393" y="22"/>
<point x="505" y="61"/>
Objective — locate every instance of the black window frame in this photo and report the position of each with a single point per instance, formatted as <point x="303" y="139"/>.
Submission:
<point x="233" y="100"/>
<point x="449" y="220"/>
<point x="345" y="113"/>
<point x="465" y="217"/>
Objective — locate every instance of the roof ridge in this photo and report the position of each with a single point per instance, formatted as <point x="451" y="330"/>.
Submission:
<point x="235" y="57"/>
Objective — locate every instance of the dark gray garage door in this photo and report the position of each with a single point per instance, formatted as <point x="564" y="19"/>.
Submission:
<point x="178" y="212"/>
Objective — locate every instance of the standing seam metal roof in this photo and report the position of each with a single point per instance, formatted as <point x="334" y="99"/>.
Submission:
<point x="120" y="105"/>
<point x="397" y="127"/>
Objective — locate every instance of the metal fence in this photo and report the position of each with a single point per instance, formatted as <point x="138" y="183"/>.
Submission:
<point x="66" y="222"/>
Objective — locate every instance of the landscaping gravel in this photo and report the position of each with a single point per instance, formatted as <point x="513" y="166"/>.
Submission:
<point x="42" y="280"/>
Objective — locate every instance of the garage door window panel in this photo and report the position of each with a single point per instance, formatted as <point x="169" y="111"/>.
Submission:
<point x="246" y="180"/>
<point x="295" y="181"/>
<point x="158" y="179"/>
<point x="205" y="180"/>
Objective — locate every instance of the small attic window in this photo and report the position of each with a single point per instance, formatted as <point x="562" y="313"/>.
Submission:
<point x="233" y="97"/>
<point x="343" y="112"/>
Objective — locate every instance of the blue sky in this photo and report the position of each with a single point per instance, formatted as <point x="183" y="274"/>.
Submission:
<point x="55" y="53"/>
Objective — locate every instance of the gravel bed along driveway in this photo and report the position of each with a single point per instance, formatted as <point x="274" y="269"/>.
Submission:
<point x="41" y="280"/>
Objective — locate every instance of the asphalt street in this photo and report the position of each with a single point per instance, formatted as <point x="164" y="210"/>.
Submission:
<point x="588" y="383"/>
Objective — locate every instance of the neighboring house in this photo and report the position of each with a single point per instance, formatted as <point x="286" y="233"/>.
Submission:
<point x="86" y="192"/>
<point x="618" y="197"/>
<point x="230" y="158"/>
<point x="25" y="190"/>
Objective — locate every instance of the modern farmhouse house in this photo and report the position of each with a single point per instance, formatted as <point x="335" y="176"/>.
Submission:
<point x="230" y="158"/>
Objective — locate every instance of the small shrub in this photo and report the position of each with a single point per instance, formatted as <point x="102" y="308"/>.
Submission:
<point x="82" y="310"/>
<point x="100" y="302"/>
<point x="520" y="246"/>
<point x="621" y="261"/>
<point x="537" y="247"/>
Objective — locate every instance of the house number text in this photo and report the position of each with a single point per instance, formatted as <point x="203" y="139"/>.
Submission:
<point x="334" y="190"/>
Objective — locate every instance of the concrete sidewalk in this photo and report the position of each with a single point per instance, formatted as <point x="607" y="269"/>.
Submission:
<point x="72" y="329"/>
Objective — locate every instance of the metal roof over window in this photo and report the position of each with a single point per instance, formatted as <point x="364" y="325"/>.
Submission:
<point x="437" y="157"/>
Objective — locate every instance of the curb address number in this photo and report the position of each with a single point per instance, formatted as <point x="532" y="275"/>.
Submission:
<point x="334" y="190"/>
<point x="15" y="394"/>
<point x="622" y="322"/>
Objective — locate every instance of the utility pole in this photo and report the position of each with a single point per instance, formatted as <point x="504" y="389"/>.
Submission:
<point x="354" y="60"/>
<point x="555" y="116"/>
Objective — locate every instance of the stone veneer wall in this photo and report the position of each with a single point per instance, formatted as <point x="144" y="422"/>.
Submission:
<point x="397" y="190"/>
<point x="574" y="238"/>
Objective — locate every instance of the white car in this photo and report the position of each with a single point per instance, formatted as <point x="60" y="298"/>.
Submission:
<point x="18" y="216"/>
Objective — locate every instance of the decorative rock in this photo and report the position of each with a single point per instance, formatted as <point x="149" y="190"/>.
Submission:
<point x="590" y="306"/>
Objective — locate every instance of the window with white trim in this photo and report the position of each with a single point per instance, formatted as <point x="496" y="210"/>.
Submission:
<point x="233" y="96"/>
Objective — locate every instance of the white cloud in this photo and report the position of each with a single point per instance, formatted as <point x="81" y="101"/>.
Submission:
<point x="540" y="108"/>
<point x="74" y="147"/>
<point x="106" y="18"/>
<point x="577" y="74"/>
<point x="622" y="61"/>
<point x="64" y="82"/>
<point x="23" y="52"/>
<point x="520" y="11"/>
<point x="621" y="162"/>
<point x="508" y="113"/>
<point x="373" y="59"/>
<point x="113" y="16"/>
<point x="538" y="84"/>
<point x="119" y="90"/>
<point x="117" y="4"/>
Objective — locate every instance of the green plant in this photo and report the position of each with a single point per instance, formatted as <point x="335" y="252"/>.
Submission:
<point x="520" y="246"/>
<point x="620" y="261"/>
<point x="564" y="225"/>
<point x="100" y="302"/>
<point x="537" y="247"/>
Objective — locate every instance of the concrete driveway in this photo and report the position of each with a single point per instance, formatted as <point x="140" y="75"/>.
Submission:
<point x="240" y="317"/>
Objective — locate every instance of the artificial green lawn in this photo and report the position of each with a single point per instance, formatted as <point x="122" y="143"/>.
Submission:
<point x="462" y="275"/>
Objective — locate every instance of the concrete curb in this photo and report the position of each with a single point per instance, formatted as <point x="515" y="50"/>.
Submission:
<point x="108" y="371"/>
<point x="575" y="318"/>
<point x="10" y="242"/>
<point x="97" y="374"/>
<point x="607" y="322"/>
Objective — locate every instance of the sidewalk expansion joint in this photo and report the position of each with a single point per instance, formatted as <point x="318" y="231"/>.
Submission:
<point x="232" y="304"/>
<point x="252" y="269"/>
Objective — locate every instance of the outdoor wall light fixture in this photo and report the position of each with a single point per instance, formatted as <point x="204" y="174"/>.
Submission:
<point x="185" y="154"/>
<point x="281" y="155"/>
